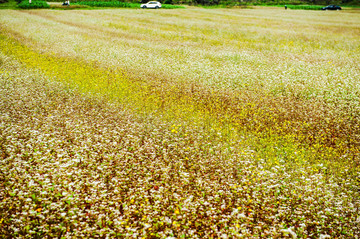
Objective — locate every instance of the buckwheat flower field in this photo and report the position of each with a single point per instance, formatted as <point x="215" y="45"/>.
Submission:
<point x="179" y="123"/>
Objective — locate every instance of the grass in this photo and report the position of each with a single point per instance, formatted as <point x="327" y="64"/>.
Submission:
<point x="8" y="5"/>
<point x="302" y="7"/>
<point x="175" y="123"/>
<point x="108" y="4"/>
<point x="33" y="5"/>
<point x="119" y="4"/>
<point x="77" y="5"/>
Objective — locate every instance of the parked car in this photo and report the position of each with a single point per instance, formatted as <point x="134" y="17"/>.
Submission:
<point x="152" y="4"/>
<point x="331" y="7"/>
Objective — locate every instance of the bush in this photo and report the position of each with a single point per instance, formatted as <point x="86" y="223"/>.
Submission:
<point x="34" y="4"/>
<point x="108" y="4"/>
<point x="169" y="6"/>
<point x="304" y="7"/>
<point x="120" y="4"/>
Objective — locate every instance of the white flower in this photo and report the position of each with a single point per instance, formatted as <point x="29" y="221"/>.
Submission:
<point x="290" y="231"/>
<point x="224" y="236"/>
<point x="167" y="220"/>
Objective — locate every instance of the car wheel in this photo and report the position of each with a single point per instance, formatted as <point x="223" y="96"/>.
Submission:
<point x="156" y="7"/>
<point x="144" y="7"/>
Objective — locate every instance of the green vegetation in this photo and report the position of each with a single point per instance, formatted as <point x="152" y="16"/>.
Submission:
<point x="11" y="4"/>
<point x="119" y="4"/>
<point x="299" y="7"/>
<point x="172" y="4"/>
<point x="107" y="4"/>
<point x="268" y="2"/>
<point x="33" y="5"/>
<point x="304" y="7"/>
<point x="76" y="5"/>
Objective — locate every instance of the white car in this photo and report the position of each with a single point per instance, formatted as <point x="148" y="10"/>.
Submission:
<point x="151" y="4"/>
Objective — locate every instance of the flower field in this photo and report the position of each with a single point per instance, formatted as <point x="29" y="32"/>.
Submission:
<point x="179" y="123"/>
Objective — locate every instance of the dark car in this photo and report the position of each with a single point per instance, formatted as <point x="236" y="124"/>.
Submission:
<point x="331" y="7"/>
